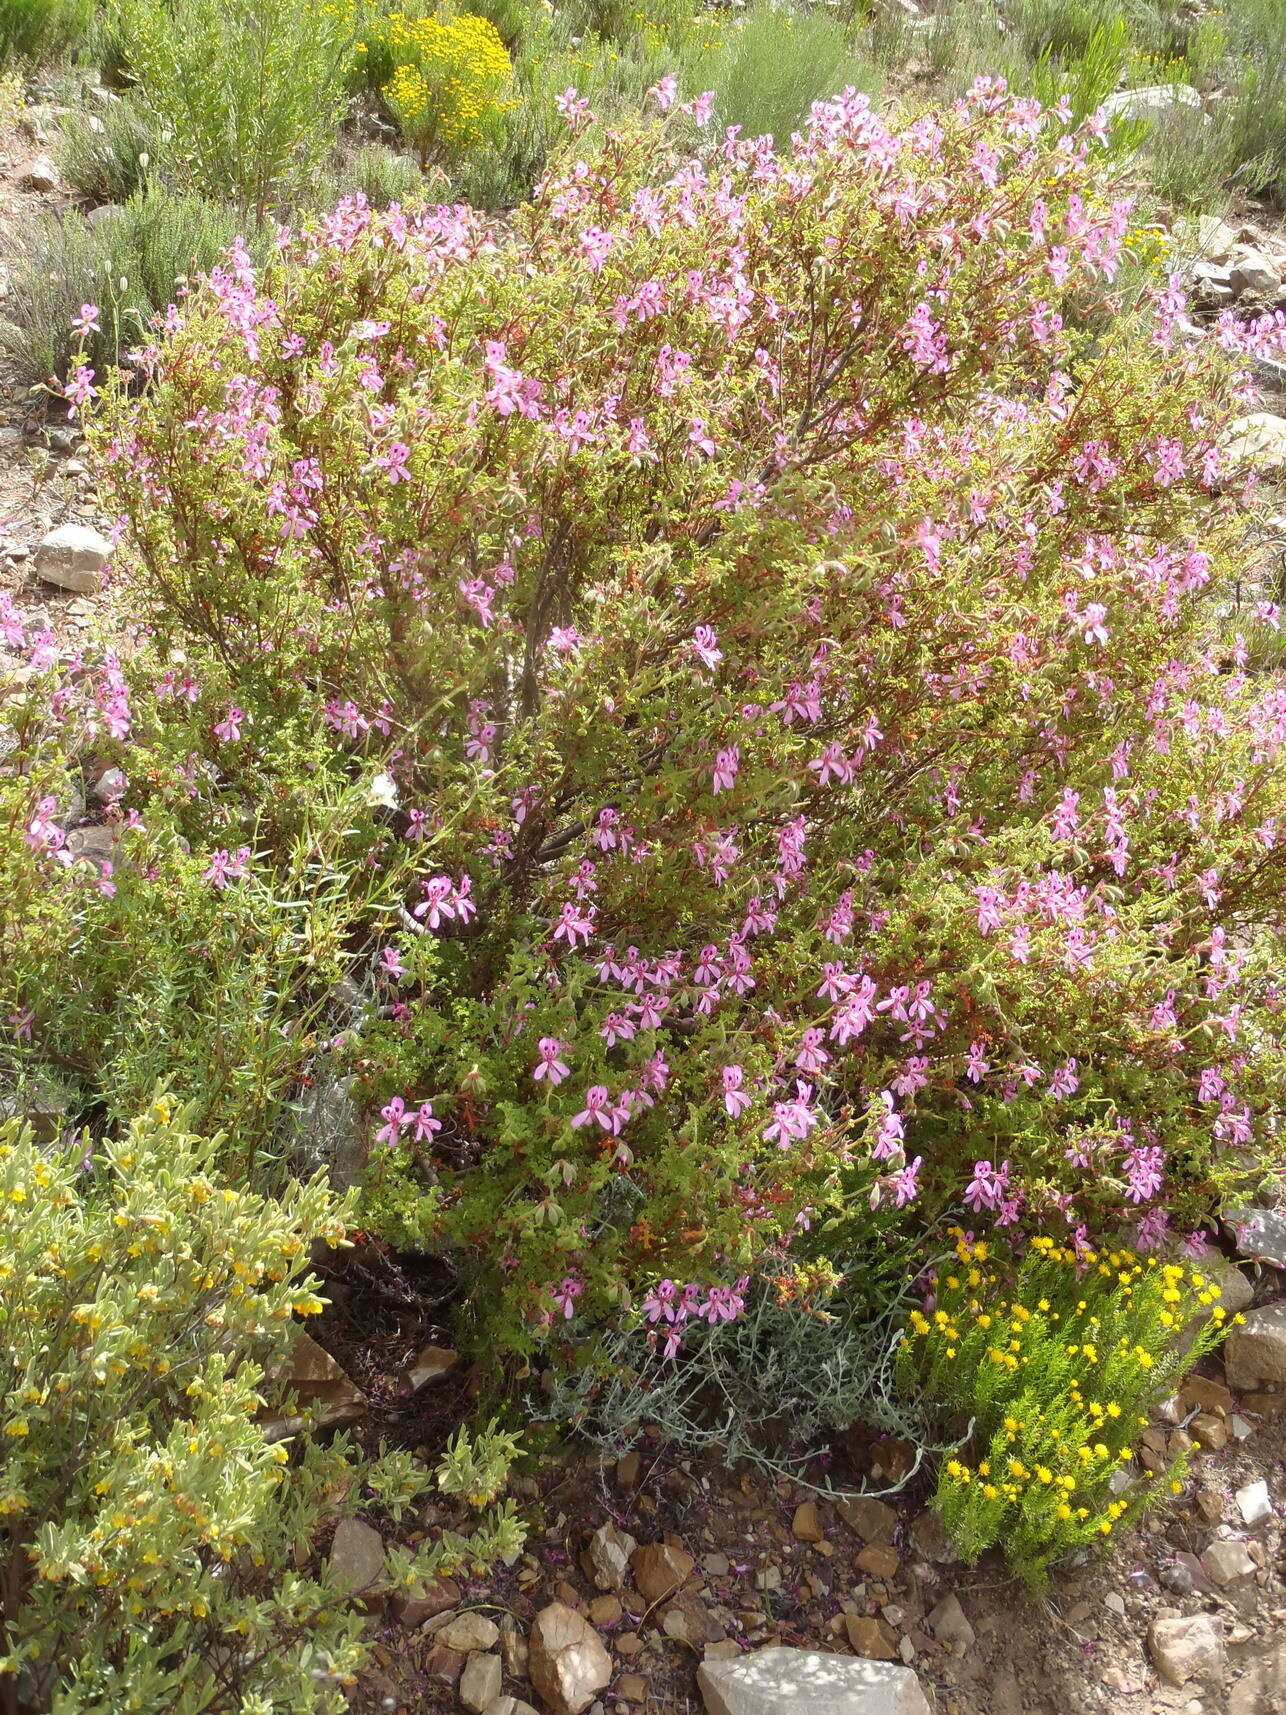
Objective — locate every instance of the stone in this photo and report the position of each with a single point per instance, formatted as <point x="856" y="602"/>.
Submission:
<point x="1152" y="102"/>
<point x="1257" y="440"/>
<point x="606" y="1611"/>
<point x="1251" y="271"/>
<point x="1209" y="1503"/>
<point x="779" y="1681"/>
<point x="1254" y="1503"/>
<point x="431" y="1364"/>
<point x="41" y="175"/>
<point x="442" y="1665"/>
<point x="1256" y="1352"/>
<point x="932" y="1540"/>
<point x="659" y="1569"/>
<point x="315" y="1378"/>
<point x="608" y="1556"/>
<point x="480" y="1682"/>
<point x="73" y="557"/>
<point x="1212" y="238"/>
<point x="1199" y="1393"/>
<point x="513" y="1648"/>
<point x="105" y="215"/>
<point x="1226" y="1562"/>
<point x="629" y="1469"/>
<point x="356" y="1555"/>
<point x="469" y="1633"/>
<point x="1186" y="1646"/>
<point x="691" y="1622"/>
<point x="632" y="1687"/>
<point x="568" y="1664"/>
<point x="1259" y="1234"/>
<point x="509" y="1706"/>
<point x="874" y="1639"/>
<point x="807" y="1523"/>
<point x="1235" y="1291"/>
<point x="950" y="1625"/>
<point x="1209" y="1431"/>
<point x="877" y="1560"/>
<point x="440" y="1596"/>
<point x="871" y="1519"/>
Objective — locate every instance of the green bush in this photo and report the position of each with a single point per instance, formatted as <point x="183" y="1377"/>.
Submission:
<point x="40" y="30"/>
<point x="131" y="266"/>
<point x="1055" y="1359"/>
<point x="154" y="1526"/>
<point x="247" y="94"/>
<point x="112" y="161"/>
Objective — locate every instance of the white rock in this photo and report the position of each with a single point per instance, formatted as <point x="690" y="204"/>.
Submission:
<point x="609" y="1554"/>
<point x="791" y="1681"/>
<point x="1226" y="1562"/>
<point x="73" y="557"/>
<point x="1256" y="1351"/>
<point x="1116" y="1602"/>
<point x="41" y="175"/>
<point x="1253" y="1502"/>
<point x="480" y="1682"/>
<point x="1258" y="440"/>
<point x="1259" y="1234"/>
<point x="1186" y="1647"/>
<point x="1252" y="271"/>
<point x="1152" y="102"/>
<point x="567" y="1661"/>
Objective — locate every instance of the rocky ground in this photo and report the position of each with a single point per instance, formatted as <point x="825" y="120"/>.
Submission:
<point x="642" y="1570"/>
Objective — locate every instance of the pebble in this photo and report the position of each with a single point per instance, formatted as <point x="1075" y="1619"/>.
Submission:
<point x="1253" y="1503"/>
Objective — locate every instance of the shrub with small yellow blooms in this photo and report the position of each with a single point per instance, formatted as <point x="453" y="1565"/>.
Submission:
<point x="153" y="1529"/>
<point x="447" y="80"/>
<point x="1052" y="1361"/>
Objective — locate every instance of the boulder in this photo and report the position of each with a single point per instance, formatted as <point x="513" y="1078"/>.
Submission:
<point x="73" y="557"/>
<point x="1259" y="1234"/>
<point x="567" y="1661"/>
<point x="1185" y="1647"/>
<point x="1255" y="1352"/>
<point x="1257" y="440"/>
<point x="778" y="1681"/>
<point x="41" y="175"/>
<point x="1153" y="102"/>
<point x="356" y="1555"/>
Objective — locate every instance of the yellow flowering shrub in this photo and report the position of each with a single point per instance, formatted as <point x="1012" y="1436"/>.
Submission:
<point x="448" y="78"/>
<point x="1053" y="1360"/>
<point x="155" y="1534"/>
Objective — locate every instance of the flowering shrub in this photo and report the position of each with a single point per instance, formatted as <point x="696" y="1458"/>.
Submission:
<point x="1056" y="1381"/>
<point x="811" y="778"/>
<point x="448" y="78"/>
<point x="153" y="1530"/>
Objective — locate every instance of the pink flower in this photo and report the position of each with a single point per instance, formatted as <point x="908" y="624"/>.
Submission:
<point x="85" y="320"/>
<point x="550" y="1064"/>
<point x="598" y="1108"/>
<point x="395" y="1117"/>
<point x="664" y="93"/>
<point x="726" y="765"/>
<point x="735" y="1099"/>
<point x="229" y="728"/>
<point x="566" y="1294"/>
<point x="423" y="1123"/>
<point x="225" y="868"/>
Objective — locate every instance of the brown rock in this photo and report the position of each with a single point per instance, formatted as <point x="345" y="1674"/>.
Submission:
<point x="878" y="1561"/>
<point x="441" y="1595"/>
<point x="608" y="1556"/>
<point x="1267" y="1404"/>
<point x="430" y="1365"/>
<point x="629" y="1643"/>
<point x="444" y="1666"/>
<point x="606" y="1611"/>
<point x="930" y="1537"/>
<point x="356" y="1555"/>
<point x="872" y="1638"/>
<point x="659" y="1570"/>
<point x="513" y="1649"/>
<point x="632" y="1688"/>
<point x="568" y="1663"/>
<point x="871" y="1519"/>
<point x="1209" y="1505"/>
<point x="1209" y="1431"/>
<point x="314" y="1377"/>
<point x="467" y="1633"/>
<point x="629" y="1469"/>
<point x="689" y="1620"/>
<point x="1202" y="1394"/>
<point x="807" y="1523"/>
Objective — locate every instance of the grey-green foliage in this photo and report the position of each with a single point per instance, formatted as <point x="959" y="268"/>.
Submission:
<point x="110" y="160"/>
<point x="247" y="94"/>
<point x="131" y="265"/>
<point x="39" y="30"/>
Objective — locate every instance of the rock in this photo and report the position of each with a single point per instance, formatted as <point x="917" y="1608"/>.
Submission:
<point x="1153" y="102"/>
<point x="1235" y="1291"/>
<point x="1209" y="1503"/>
<point x="1251" y="271"/>
<point x="1212" y="238"/>
<point x="659" y="1570"/>
<point x="629" y="1469"/>
<point x="1259" y="1233"/>
<point x="480" y="1682"/>
<point x="105" y="215"/>
<point x="442" y="1665"/>
<point x="513" y="1648"/>
<point x="1256" y="1352"/>
<point x="438" y="1598"/>
<point x="314" y="1377"/>
<point x="1116" y="1602"/>
<point x="1185" y="1647"/>
<point x="1209" y="1431"/>
<point x="431" y="1364"/>
<point x="606" y="1611"/>
<point x="73" y="557"/>
<point x="1253" y="1503"/>
<point x="950" y="1625"/>
<point x="879" y="1561"/>
<point x="779" y="1681"/>
<point x="632" y="1687"/>
<point x="41" y="175"/>
<point x="1199" y="1393"/>
<point x="807" y="1523"/>
<point x="1176" y="1578"/>
<point x="1257" y="440"/>
<point x="356" y="1555"/>
<point x="608" y="1556"/>
<point x="568" y="1663"/>
<point x="871" y="1519"/>
<point x="931" y="1540"/>
<point x="509" y="1706"/>
<point x="691" y="1622"/>
<point x="469" y="1633"/>
<point x="1226" y="1562"/>
<point x="874" y="1639"/>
